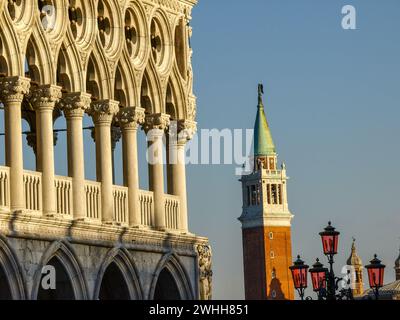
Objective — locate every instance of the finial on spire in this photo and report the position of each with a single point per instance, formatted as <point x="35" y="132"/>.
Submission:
<point x="354" y="244"/>
<point x="260" y="94"/>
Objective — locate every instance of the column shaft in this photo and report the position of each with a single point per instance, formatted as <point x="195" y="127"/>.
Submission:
<point x="131" y="174"/>
<point x="155" y="126"/>
<point x="12" y="91"/>
<point x="44" y="99"/>
<point x="103" y="113"/>
<point x="76" y="165"/>
<point x="129" y="119"/>
<point x="103" y="144"/>
<point x="156" y="176"/>
<point x="74" y="106"/>
<point x="178" y="185"/>
<point x="47" y="154"/>
<point x="184" y="131"/>
<point x="14" y="153"/>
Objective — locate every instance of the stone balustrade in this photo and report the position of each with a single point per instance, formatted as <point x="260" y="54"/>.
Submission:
<point x="172" y="212"/>
<point x="4" y="188"/>
<point x="93" y="208"/>
<point x="146" y="202"/>
<point x="33" y="191"/>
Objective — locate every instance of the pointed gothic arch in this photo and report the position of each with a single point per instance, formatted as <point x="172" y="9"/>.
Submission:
<point x="93" y="78"/>
<point x="69" y="73"/>
<point x="62" y="257"/>
<point x="171" y="281"/>
<point x="12" y="278"/>
<point x="118" y="278"/>
<point x="125" y="84"/>
<point x="151" y="92"/>
<point x="4" y="53"/>
<point x="176" y="100"/>
<point x="64" y="74"/>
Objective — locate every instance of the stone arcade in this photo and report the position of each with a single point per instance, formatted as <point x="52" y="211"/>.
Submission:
<point x="127" y="64"/>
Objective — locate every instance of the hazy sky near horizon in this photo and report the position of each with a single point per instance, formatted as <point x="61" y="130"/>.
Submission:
<point x="332" y="99"/>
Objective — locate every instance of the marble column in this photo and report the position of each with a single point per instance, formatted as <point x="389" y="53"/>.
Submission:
<point x="155" y="126"/>
<point x="43" y="100"/>
<point x="103" y="113"/>
<point x="12" y="91"/>
<point x="177" y="164"/>
<point x="74" y="106"/>
<point x="130" y="119"/>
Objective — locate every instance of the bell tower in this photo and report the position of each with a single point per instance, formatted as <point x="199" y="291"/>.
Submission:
<point x="356" y="263"/>
<point x="266" y="219"/>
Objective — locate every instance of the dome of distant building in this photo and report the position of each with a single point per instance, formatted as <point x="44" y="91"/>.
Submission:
<point x="354" y="259"/>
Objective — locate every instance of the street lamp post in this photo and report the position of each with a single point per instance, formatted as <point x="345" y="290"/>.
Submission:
<point x="376" y="272"/>
<point x="318" y="277"/>
<point x="299" y="274"/>
<point x="324" y="281"/>
<point x="330" y="241"/>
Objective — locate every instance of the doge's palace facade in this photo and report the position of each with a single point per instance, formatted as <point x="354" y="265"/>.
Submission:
<point x="126" y="64"/>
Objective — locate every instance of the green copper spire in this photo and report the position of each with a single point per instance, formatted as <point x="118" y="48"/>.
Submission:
<point x="263" y="143"/>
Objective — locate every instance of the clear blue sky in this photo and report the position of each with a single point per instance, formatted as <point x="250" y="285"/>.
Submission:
<point x="332" y="100"/>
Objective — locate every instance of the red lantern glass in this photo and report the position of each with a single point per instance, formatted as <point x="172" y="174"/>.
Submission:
<point x="318" y="276"/>
<point x="330" y="240"/>
<point x="299" y="274"/>
<point x="376" y="272"/>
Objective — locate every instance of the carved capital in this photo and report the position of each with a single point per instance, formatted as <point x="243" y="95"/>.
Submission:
<point x="187" y="129"/>
<point x="160" y="121"/>
<point x="181" y="131"/>
<point x="75" y="104"/>
<point x="13" y="89"/>
<point x="103" y="111"/>
<point x="45" y="97"/>
<point x="130" y="118"/>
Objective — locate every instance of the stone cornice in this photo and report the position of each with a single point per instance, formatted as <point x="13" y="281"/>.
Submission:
<point x="26" y="225"/>
<point x="269" y="220"/>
